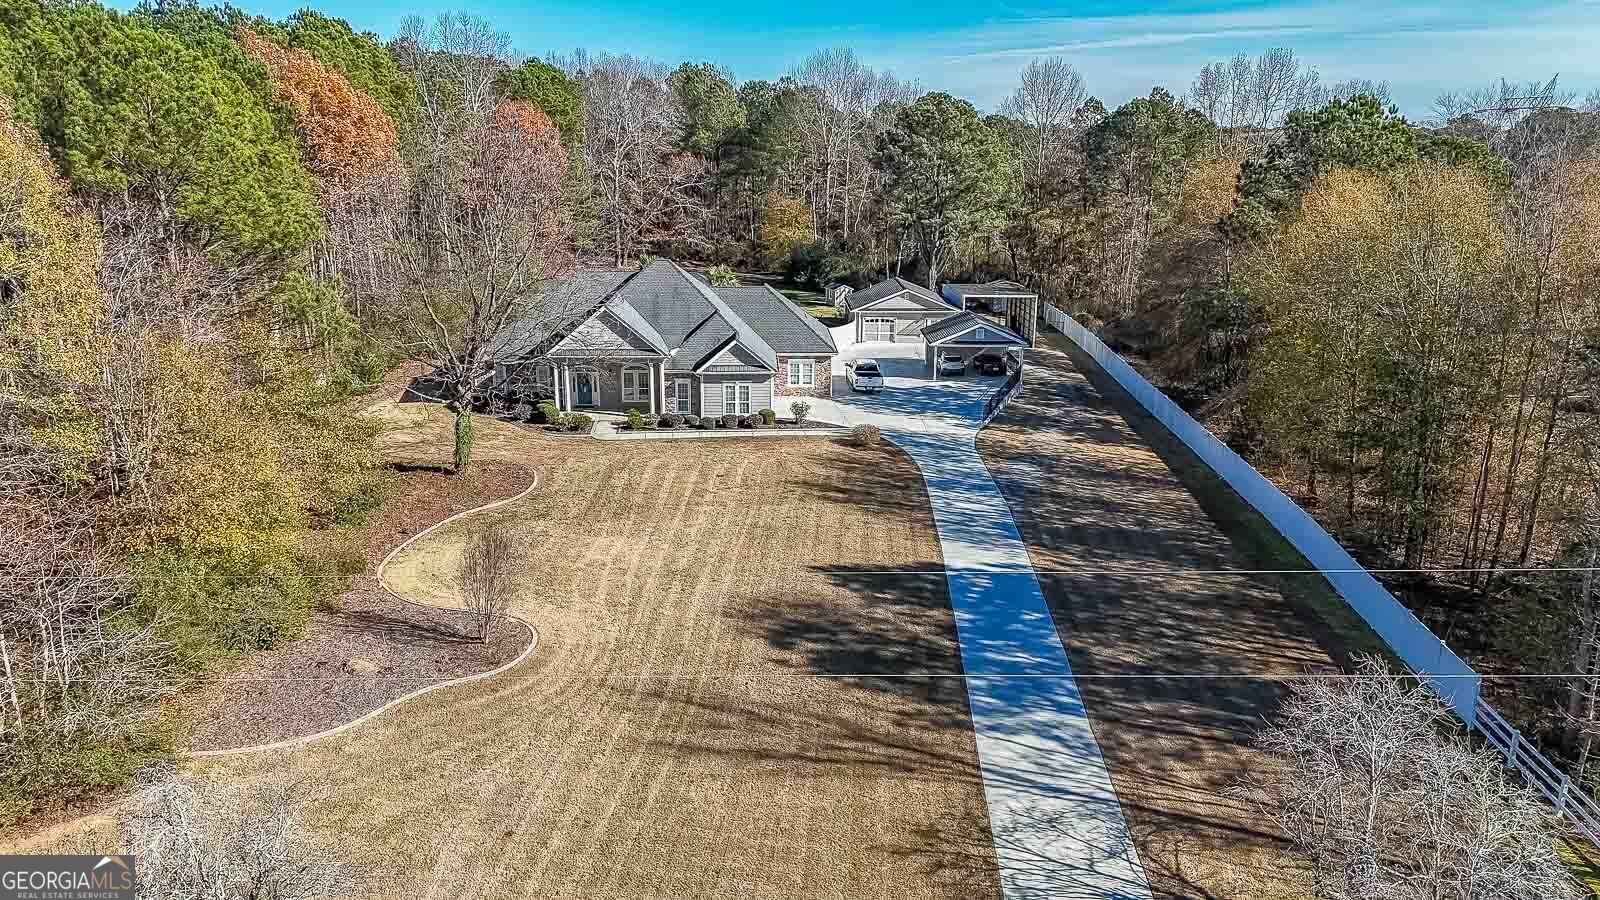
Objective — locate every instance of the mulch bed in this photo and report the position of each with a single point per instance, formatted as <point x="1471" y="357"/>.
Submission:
<point x="364" y="648"/>
<point x="370" y="650"/>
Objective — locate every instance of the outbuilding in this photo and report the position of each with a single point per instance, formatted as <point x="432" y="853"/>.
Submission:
<point x="1014" y="303"/>
<point x="895" y="311"/>
<point x="966" y="335"/>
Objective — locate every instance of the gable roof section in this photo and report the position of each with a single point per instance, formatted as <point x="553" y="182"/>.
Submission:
<point x="971" y="328"/>
<point x="580" y="291"/>
<point x="674" y="302"/>
<point x="614" y="330"/>
<point x="785" y="327"/>
<point x="733" y="360"/>
<point x="893" y="287"/>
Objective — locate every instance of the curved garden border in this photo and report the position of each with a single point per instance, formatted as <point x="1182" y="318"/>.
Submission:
<point x="533" y="641"/>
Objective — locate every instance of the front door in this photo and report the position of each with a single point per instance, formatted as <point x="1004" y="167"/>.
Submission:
<point x="582" y="389"/>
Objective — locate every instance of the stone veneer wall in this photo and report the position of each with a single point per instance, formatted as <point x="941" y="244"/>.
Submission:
<point x="824" y="379"/>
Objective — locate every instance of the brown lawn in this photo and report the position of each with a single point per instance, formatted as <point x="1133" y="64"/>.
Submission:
<point x="1179" y="659"/>
<point x="705" y="714"/>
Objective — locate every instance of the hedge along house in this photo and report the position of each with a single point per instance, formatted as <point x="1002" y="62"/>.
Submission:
<point x="966" y="335"/>
<point x="894" y="310"/>
<point x="661" y="340"/>
<point x="1007" y="299"/>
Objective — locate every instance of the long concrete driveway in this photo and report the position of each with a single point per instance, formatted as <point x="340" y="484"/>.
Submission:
<point x="1058" y="828"/>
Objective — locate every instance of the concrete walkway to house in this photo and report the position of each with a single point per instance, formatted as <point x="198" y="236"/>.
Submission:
<point x="1058" y="829"/>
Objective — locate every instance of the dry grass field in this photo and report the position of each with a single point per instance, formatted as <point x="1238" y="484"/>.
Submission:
<point x="1179" y="652"/>
<point x="705" y="714"/>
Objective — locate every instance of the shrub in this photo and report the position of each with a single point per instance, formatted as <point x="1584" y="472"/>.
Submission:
<point x="801" y="410"/>
<point x="691" y="421"/>
<point x="709" y="422"/>
<point x="752" y="421"/>
<point x="548" y="412"/>
<point x="579" y="422"/>
<point x="671" y="420"/>
<point x="635" y="419"/>
<point x="722" y="276"/>
<point x="768" y="416"/>
<point x="522" y="413"/>
<point x="730" y="421"/>
<point x="866" y="435"/>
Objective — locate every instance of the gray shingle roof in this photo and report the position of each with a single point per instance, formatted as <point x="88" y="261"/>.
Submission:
<point x="888" y="288"/>
<point x="951" y="326"/>
<point x="631" y="317"/>
<point x="786" y="327"/>
<point x="562" y="304"/>
<point x="671" y="310"/>
<point x="710" y="337"/>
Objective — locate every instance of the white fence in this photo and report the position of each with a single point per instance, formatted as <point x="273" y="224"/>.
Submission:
<point x="1410" y="640"/>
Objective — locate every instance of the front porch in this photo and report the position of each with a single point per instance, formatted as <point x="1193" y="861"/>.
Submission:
<point x="611" y="387"/>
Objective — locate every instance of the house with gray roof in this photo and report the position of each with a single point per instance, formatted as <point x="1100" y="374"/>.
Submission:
<point x="661" y="340"/>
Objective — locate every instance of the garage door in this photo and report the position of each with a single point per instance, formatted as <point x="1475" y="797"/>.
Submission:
<point x="877" y="329"/>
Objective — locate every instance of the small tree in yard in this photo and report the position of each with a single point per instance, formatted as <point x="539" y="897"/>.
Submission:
<point x="484" y="577"/>
<point x="1374" y="783"/>
<point x="801" y="410"/>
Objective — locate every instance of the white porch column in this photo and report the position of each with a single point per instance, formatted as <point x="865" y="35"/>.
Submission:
<point x="650" y="373"/>
<point x="563" y="398"/>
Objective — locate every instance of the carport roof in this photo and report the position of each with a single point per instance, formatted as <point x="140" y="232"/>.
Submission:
<point x="999" y="288"/>
<point x="971" y="328"/>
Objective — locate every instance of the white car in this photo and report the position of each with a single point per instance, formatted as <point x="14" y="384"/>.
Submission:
<point x="864" y="375"/>
<point x="950" y="364"/>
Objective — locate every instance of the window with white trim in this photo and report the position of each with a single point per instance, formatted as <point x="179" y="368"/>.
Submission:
<point x="736" y="399"/>
<point x="635" y="385"/>
<point x="802" y="373"/>
<point x="680" y="394"/>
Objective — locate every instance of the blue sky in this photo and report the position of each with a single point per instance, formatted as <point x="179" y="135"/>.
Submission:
<point x="1123" y="48"/>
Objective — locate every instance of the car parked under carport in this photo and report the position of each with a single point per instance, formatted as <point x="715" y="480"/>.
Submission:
<point x="967" y="335"/>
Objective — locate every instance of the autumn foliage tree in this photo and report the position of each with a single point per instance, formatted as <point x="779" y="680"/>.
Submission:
<point x="351" y="144"/>
<point x="345" y="132"/>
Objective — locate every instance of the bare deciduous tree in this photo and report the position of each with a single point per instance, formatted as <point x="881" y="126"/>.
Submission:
<point x="1248" y="99"/>
<point x="483" y="576"/>
<point x="69" y="666"/>
<point x="1374" y="783"/>
<point x="201" y="840"/>
<point x="1046" y="100"/>
<point x="492" y="222"/>
<point x="647" y="190"/>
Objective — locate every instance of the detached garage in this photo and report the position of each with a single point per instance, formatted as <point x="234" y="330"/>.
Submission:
<point x="894" y="311"/>
<point x="966" y="335"/>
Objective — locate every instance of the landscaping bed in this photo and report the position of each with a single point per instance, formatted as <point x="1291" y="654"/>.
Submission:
<point x="362" y="653"/>
<point x="364" y="648"/>
<point x="676" y="422"/>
